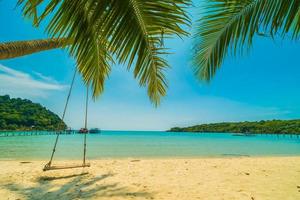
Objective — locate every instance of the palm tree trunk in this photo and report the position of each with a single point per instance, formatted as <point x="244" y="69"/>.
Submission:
<point x="22" y="48"/>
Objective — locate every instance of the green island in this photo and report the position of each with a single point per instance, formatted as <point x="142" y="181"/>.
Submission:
<point x="259" y="127"/>
<point x="22" y="114"/>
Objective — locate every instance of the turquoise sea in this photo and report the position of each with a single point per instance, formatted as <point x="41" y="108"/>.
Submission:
<point x="136" y="144"/>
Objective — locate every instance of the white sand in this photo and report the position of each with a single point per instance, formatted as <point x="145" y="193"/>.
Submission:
<point x="191" y="178"/>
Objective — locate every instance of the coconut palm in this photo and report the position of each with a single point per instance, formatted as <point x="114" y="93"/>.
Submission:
<point x="230" y="25"/>
<point x="126" y="31"/>
<point x="21" y="48"/>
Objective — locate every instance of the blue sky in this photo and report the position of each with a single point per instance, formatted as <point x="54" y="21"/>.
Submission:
<point x="264" y="84"/>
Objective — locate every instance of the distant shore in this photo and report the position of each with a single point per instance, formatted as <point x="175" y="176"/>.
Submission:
<point x="289" y="127"/>
<point x="183" y="179"/>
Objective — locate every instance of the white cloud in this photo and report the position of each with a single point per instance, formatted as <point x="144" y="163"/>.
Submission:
<point x="45" y="78"/>
<point x="21" y="84"/>
<point x="13" y="72"/>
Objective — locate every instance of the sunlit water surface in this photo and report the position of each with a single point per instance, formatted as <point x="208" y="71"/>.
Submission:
<point x="136" y="144"/>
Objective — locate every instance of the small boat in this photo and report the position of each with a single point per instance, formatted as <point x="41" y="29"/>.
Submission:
<point x="69" y="130"/>
<point x="250" y="135"/>
<point x="95" y="131"/>
<point x="83" y="131"/>
<point x="244" y="134"/>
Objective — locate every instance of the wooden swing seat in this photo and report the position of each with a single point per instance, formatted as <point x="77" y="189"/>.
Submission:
<point x="48" y="168"/>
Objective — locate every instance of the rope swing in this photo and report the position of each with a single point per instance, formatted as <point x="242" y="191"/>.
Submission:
<point x="49" y="165"/>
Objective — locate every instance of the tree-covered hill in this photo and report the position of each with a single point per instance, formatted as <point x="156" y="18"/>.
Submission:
<point x="22" y="114"/>
<point x="272" y="126"/>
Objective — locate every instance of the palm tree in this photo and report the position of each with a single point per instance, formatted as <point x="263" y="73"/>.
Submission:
<point x="21" y="48"/>
<point x="230" y="25"/>
<point x="127" y="31"/>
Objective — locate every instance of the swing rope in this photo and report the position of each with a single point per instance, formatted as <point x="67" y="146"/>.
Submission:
<point x="85" y="123"/>
<point x="48" y="165"/>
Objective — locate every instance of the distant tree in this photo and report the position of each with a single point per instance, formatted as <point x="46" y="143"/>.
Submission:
<point x="18" y="114"/>
<point x="274" y="126"/>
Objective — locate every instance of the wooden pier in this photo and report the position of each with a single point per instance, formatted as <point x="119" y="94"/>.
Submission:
<point x="280" y="135"/>
<point x="34" y="133"/>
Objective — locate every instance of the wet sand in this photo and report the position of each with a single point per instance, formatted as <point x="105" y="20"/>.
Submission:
<point x="260" y="178"/>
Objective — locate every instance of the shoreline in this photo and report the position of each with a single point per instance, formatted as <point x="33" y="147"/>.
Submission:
<point x="153" y="158"/>
<point x="173" y="178"/>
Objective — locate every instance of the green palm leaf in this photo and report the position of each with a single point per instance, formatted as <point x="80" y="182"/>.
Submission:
<point x="129" y="30"/>
<point x="230" y="25"/>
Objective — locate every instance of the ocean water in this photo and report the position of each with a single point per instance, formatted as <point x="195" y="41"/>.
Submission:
<point x="137" y="144"/>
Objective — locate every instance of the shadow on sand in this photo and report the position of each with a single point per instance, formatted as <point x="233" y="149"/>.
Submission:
<point x="75" y="186"/>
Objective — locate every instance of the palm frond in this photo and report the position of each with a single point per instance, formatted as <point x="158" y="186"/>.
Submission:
<point x="230" y="25"/>
<point x="138" y="38"/>
<point x="129" y="30"/>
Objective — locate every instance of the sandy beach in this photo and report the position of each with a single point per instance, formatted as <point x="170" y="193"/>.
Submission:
<point x="193" y="178"/>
